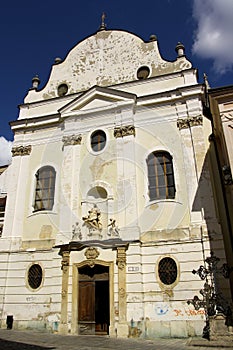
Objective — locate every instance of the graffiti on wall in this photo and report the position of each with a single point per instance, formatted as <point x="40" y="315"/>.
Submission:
<point x="189" y="312"/>
<point x="164" y="309"/>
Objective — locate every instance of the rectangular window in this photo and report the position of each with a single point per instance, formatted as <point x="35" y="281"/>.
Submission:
<point x="160" y="176"/>
<point x="2" y="207"/>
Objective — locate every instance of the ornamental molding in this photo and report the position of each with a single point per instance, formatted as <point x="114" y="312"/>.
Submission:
<point x="21" y="150"/>
<point x="122" y="293"/>
<point x="91" y="254"/>
<point x="182" y="124"/>
<point x="121" y="258"/>
<point x="65" y="261"/>
<point x="72" y="140"/>
<point x="126" y="130"/>
<point x="185" y="123"/>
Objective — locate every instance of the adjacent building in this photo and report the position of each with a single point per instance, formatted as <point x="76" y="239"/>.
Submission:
<point x="221" y="113"/>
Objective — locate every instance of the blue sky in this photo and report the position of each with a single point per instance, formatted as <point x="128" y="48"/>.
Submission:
<point x="33" y="34"/>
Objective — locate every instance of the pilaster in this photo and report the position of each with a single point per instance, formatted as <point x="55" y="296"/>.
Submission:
<point x="64" y="293"/>
<point x="121" y="263"/>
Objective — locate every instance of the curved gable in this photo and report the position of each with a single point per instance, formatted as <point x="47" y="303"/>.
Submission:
<point x="106" y="58"/>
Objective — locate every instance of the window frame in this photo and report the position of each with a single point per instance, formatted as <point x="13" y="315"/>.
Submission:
<point x="100" y="145"/>
<point x="168" y="272"/>
<point x="44" y="192"/>
<point x="2" y="207"/>
<point x="160" y="176"/>
<point x="164" y="286"/>
<point x="29" y="286"/>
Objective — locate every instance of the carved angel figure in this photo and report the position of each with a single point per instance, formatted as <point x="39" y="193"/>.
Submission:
<point x="113" y="229"/>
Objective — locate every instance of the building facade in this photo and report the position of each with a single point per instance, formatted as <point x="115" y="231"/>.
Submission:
<point x="109" y="202"/>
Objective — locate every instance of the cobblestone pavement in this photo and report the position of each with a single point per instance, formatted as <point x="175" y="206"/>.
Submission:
<point x="31" y="340"/>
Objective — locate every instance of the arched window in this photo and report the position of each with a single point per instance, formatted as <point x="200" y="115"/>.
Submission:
<point x="45" y="187"/>
<point x="160" y="176"/>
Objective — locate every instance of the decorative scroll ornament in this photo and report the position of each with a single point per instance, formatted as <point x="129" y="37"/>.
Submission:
<point x="91" y="255"/>
<point x="125" y="130"/>
<point x="122" y="292"/>
<point x="72" y="140"/>
<point x="189" y="122"/>
<point x="21" y="151"/>
<point x="195" y="121"/>
<point x="121" y="258"/>
<point x="63" y="294"/>
<point x="65" y="261"/>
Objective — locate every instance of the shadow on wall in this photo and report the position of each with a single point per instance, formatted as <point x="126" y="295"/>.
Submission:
<point x="204" y="201"/>
<point x="208" y="192"/>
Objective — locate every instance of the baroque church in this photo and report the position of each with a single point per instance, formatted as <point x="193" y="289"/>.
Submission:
<point x="107" y="206"/>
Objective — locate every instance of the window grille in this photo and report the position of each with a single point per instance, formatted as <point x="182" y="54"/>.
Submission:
<point x="167" y="270"/>
<point x="160" y="176"/>
<point x="35" y="275"/>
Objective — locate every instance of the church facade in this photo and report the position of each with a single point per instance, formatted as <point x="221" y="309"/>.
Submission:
<point x="108" y="199"/>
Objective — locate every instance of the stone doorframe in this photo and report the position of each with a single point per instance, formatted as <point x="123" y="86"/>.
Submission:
<point x="92" y="254"/>
<point x="75" y="283"/>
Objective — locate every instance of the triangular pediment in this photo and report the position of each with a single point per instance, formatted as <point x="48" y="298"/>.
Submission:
<point x="96" y="99"/>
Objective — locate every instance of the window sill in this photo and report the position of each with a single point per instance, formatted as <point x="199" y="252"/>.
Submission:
<point x="157" y="201"/>
<point x="43" y="212"/>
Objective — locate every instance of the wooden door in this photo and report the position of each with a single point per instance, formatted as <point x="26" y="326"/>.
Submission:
<point x="86" y="307"/>
<point x="93" y="300"/>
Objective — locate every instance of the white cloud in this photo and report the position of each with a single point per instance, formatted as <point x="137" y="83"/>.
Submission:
<point x="5" y="151"/>
<point x="214" y="35"/>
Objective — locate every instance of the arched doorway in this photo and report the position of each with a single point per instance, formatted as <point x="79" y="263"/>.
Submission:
<point x="93" y="300"/>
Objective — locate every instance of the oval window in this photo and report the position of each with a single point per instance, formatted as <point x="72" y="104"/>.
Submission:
<point x="167" y="270"/>
<point x="143" y="72"/>
<point x="62" y="90"/>
<point x="98" y="140"/>
<point x="35" y="275"/>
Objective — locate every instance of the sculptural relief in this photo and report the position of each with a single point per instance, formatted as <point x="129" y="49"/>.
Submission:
<point x="113" y="230"/>
<point x="92" y="220"/>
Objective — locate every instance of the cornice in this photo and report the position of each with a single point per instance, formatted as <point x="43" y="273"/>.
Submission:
<point x="30" y="123"/>
<point x="171" y="96"/>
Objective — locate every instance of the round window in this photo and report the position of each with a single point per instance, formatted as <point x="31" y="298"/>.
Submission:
<point x="62" y="90"/>
<point x="35" y="275"/>
<point x="98" y="140"/>
<point x="167" y="270"/>
<point x="143" y="72"/>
